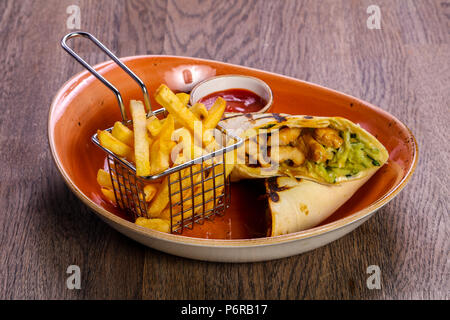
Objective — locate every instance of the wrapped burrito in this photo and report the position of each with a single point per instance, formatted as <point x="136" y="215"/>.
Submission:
<point x="295" y="205"/>
<point x="328" y="150"/>
<point x="321" y="163"/>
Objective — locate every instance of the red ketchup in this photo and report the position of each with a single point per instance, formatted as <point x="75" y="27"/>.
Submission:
<point x="238" y="100"/>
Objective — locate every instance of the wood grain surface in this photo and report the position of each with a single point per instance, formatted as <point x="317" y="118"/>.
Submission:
<point x="404" y="68"/>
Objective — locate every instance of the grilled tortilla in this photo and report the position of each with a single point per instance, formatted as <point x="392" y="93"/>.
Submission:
<point x="296" y="205"/>
<point x="328" y="150"/>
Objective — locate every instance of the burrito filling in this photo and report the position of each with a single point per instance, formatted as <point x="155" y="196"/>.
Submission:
<point x="327" y="153"/>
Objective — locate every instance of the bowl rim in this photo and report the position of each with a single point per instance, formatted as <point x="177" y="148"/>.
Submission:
<point x="266" y="107"/>
<point x="224" y="243"/>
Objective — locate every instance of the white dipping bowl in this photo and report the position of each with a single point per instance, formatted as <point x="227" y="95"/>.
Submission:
<point x="233" y="81"/>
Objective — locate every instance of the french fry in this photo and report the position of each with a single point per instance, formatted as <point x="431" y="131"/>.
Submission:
<point x="198" y="192"/>
<point x="141" y="140"/>
<point x="198" y="200"/>
<point x="109" y="194"/>
<point x="150" y="144"/>
<point x="108" y="141"/>
<point x="158" y="158"/>
<point x="150" y="191"/>
<point x="165" y="214"/>
<point x="184" y="137"/>
<point x="160" y="149"/>
<point x="215" y="114"/>
<point x="123" y="133"/>
<point x="186" y="183"/>
<point x="184" y="98"/>
<point x="166" y="98"/>
<point x="186" y="187"/>
<point x="165" y="135"/>
<point x="154" y="125"/>
<point x="200" y="111"/>
<point x="160" y="200"/>
<point x="104" y="179"/>
<point x="106" y="184"/>
<point x="208" y="194"/>
<point x="156" y="224"/>
<point x="210" y="123"/>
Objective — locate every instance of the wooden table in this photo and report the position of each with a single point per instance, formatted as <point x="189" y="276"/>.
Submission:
<point x="403" y="68"/>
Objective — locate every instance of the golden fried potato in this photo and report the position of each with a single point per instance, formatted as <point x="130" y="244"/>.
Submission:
<point x="108" y="141"/>
<point x="150" y="191"/>
<point x="200" y="111"/>
<point x="141" y="139"/>
<point x="215" y="113"/>
<point x="160" y="200"/>
<point x="104" y="179"/>
<point x="158" y="158"/>
<point x="155" y="224"/>
<point x="109" y="194"/>
<point x="166" y="98"/>
<point x="154" y="125"/>
<point x="184" y="98"/>
<point x="218" y="182"/>
<point x="123" y="133"/>
<point x="165" y="135"/>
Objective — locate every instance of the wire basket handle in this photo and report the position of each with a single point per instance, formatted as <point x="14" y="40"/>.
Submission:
<point x="100" y="77"/>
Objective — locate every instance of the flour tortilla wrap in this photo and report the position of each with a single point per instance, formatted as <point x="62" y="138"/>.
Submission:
<point x="296" y="204"/>
<point x="347" y="153"/>
<point x="299" y="205"/>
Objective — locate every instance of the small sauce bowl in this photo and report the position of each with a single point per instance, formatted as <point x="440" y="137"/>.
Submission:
<point x="243" y="94"/>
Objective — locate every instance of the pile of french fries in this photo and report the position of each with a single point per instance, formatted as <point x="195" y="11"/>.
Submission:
<point x="153" y="145"/>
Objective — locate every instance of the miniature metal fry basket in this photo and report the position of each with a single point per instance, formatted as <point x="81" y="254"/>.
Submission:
<point x="198" y="189"/>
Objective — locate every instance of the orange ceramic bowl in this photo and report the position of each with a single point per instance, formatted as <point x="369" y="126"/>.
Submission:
<point x="84" y="105"/>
